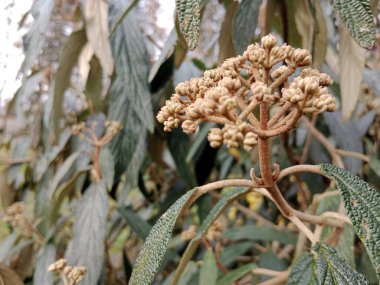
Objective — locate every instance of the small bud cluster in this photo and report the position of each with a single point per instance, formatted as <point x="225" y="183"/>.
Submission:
<point x="15" y="216"/>
<point x="74" y="274"/>
<point x="227" y="95"/>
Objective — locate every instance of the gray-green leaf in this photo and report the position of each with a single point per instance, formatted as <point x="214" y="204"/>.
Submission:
<point x="209" y="271"/>
<point x="236" y="274"/>
<point x="303" y="271"/>
<point x="357" y="17"/>
<point x="45" y="257"/>
<point x="189" y="20"/>
<point x="334" y="270"/>
<point x="362" y="204"/>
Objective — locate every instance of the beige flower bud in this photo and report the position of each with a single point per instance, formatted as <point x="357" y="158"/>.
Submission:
<point x="279" y="71"/>
<point x="189" y="126"/>
<point x="250" y="140"/>
<point x="301" y="57"/>
<point x="268" y="42"/>
<point x="312" y="85"/>
<point x="231" y="84"/>
<point x="215" y="137"/>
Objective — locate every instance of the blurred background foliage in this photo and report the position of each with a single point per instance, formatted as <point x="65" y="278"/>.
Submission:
<point x="96" y="61"/>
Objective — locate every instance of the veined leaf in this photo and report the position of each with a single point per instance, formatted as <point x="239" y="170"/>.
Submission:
<point x="130" y="101"/>
<point x="303" y="271"/>
<point x="8" y="276"/>
<point x="95" y="14"/>
<point x="209" y="271"/>
<point x="362" y="204"/>
<point x="152" y="253"/>
<point x="67" y="61"/>
<point x="236" y="274"/>
<point x="45" y="257"/>
<point x="245" y="23"/>
<point x="357" y="17"/>
<point x="189" y="20"/>
<point x="211" y="217"/>
<point x="89" y="232"/>
<point x="334" y="270"/>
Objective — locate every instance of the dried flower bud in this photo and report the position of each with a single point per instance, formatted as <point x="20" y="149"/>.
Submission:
<point x="279" y="71"/>
<point x="261" y="92"/>
<point x="250" y="140"/>
<point x="215" y="137"/>
<point x="67" y="270"/>
<point x="268" y="42"/>
<point x="189" y="126"/>
<point x="311" y="85"/>
<point x="231" y="84"/>
<point x="301" y="57"/>
<point x="232" y="136"/>
<point x="58" y="265"/>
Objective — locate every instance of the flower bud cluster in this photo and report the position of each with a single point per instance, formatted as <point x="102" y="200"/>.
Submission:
<point x="309" y="93"/>
<point x="74" y="274"/>
<point x="15" y="216"/>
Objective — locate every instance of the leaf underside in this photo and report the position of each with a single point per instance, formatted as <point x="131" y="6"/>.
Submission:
<point x="189" y="20"/>
<point x="303" y="271"/>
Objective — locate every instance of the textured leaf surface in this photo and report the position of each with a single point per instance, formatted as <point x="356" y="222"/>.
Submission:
<point x="362" y="204"/>
<point x="189" y="20"/>
<point x="236" y="274"/>
<point x="89" y="232"/>
<point x="333" y="270"/>
<point x="46" y="255"/>
<point x="95" y="14"/>
<point x="209" y="271"/>
<point x="244" y="24"/>
<point x="107" y="166"/>
<point x="155" y="246"/>
<point x="130" y="101"/>
<point x="351" y="71"/>
<point x="303" y="271"/>
<point x="357" y="16"/>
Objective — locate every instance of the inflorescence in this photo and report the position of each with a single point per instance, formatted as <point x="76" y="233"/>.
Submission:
<point x="229" y="94"/>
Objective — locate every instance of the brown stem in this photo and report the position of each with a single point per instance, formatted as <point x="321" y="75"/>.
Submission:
<point x="282" y="78"/>
<point x="251" y="117"/>
<point x="264" y="153"/>
<point x="301" y="168"/>
<point x="279" y="114"/>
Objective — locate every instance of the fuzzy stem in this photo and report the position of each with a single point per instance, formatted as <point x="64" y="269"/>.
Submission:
<point x="264" y="153"/>
<point x="279" y="114"/>
<point x="282" y="78"/>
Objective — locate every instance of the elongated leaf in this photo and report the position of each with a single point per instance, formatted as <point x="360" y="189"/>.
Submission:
<point x="137" y="224"/>
<point x="245" y="23"/>
<point x="351" y="71"/>
<point x="41" y="12"/>
<point x="67" y="61"/>
<point x="320" y="35"/>
<point x="236" y="274"/>
<point x="333" y="270"/>
<point x="8" y="276"/>
<point x="214" y="213"/>
<point x="189" y="20"/>
<point x="357" y="16"/>
<point x="46" y="255"/>
<point x="304" y="23"/>
<point x="229" y="253"/>
<point x="155" y="246"/>
<point x="7" y="245"/>
<point x="95" y="14"/>
<point x="94" y="84"/>
<point x="362" y="204"/>
<point x="209" y="271"/>
<point x="107" y="166"/>
<point x="226" y="44"/>
<point x="130" y="101"/>
<point x="260" y="233"/>
<point x="303" y="271"/>
<point x="89" y="232"/>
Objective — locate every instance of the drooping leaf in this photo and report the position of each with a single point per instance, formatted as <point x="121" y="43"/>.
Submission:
<point x="94" y="84"/>
<point x="67" y="61"/>
<point x="304" y="23"/>
<point x="357" y="17"/>
<point x="260" y="233"/>
<point x="41" y="12"/>
<point x="8" y="276"/>
<point x="46" y="255"/>
<point x="245" y="23"/>
<point x="89" y="232"/>
<point x="226" y="44"/>
<point x="189" y="20"/>
<point x="95" y="14"/>
<point x="130" y="101"/>
<point x="214" y="213"/>
<point x="236" y="274"/>
<point x="209" y="271"/>
<point x="334" y="270"/>
<point x="107" y="166"/>
<point x="137" y="224"/>
<point x="362" y="204"/>
<point x="155" y="246"/>
<point x="351" y="71"/>
<point x="303" y="271"/>
<point x="320" y="35"/>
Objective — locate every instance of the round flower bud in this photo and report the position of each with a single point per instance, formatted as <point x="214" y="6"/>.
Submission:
<point x="215" y="137"/>
<point x="250" y="140"/>
<point x="189" y="126"/>
<point x="268" y="42"/>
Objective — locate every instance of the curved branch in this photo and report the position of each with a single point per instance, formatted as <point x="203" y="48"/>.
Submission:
<point x="301" y="168"/>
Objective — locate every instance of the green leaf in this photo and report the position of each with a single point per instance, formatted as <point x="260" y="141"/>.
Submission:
<point x="200" y="139"/>
<point x="209" y="271"/>
<point x="229" y="253"/>
<point x="214" y="213"/>
<point x="303" y="271"/>
<point x="130" y="101"/>
<point x="94" y="84"/>
<point x="374" y="163"/>
<point x="41" y="12"/>
<point x="89" y="233"/>
<point x="137" y="224"/>
<point x="67" y="61"/>
<point x="8" y="276"/>
<point x="151" y="254"/>
<point x="334" y="270"/>
<point x="107" y="166"/>
<point x="362" y="204"/>
<point x="236" y="274"/>
<point x="95" y="13"/>
<point x="7" y="245"/>
<point x="357" y="17"/>
<point x="260" y="233"/>
<point x="189" y="20"/>
<point x="244" y="24"/>
<point x="46" y="255"/>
